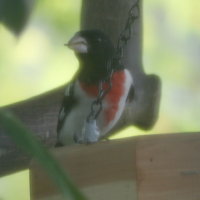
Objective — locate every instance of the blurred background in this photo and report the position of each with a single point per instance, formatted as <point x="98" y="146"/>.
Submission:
<point x="37" y="61"/>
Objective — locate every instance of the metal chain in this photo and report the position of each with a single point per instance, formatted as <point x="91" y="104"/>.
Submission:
<point x="124" y="37"/>
<point x="116" y="60"/>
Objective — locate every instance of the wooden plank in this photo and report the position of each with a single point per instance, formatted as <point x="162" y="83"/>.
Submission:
<point x="103" y="170"/>
<point x="168" y="167"/>
<point x="156" y="167"/>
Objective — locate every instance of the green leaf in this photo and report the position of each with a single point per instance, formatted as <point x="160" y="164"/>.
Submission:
<point x="15" y="14"/>
<point x="26" y="140"/>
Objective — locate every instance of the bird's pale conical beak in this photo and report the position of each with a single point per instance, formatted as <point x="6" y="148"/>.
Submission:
<point x="78" y="44"/>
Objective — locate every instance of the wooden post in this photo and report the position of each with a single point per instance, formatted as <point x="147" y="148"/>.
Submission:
<point x="156" y="167"/>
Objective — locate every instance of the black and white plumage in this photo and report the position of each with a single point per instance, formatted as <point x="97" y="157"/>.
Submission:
<point x="93" y="49"/>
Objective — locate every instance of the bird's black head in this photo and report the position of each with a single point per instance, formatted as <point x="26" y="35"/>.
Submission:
<point x="93" y="49"/>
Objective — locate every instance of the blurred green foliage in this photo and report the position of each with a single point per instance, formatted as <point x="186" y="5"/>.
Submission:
<point x="10" y="189"/>
<point x="14" y="15"/>
<point x="37" y="61"/>
<point x="27" y="141"/>
<point x="171" y="50"/>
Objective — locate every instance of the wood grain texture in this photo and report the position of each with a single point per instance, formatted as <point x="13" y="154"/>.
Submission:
<point x="156" y="167"/>
<point x="168" y="167"/>
<point x="93" y="168"/>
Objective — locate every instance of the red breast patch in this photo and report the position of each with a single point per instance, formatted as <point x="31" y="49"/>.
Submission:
<point x="113" y="96"/>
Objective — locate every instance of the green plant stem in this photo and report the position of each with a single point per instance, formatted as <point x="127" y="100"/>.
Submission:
<point x="26" y="140"/>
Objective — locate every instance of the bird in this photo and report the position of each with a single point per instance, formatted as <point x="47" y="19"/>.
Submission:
<point x="94" y="50"/>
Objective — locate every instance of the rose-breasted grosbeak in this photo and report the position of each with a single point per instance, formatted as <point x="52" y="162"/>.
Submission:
<point x="94" y="50"/>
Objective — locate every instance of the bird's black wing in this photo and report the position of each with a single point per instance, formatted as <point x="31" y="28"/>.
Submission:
<point x="69" y="101"/>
